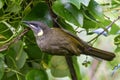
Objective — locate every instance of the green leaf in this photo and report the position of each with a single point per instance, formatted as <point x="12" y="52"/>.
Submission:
<point x="4" y="31"/>
<point x="96" y="10"/>
<point x="2" y="37"/>
<point x="6" y="77"/>
<point x="114" y="29"/>
<point x="1" y="68"/>
<point x="16" y="57"/>
<point x="64" y="12"/>
<point x="21" y="60"/>
<point x="31" y="47"/>
<point x="85" y="2"/>
<point x="10" y="57"/>
<point x="77" y="14"/>
<point x="39" y="13"/>
<point x="115" y="4"/>
<point x="14" y="7"/>
<point x="33" y="51"/>
<point x="59" y="66"/>
<point x="13" y="77"/>
<point x="89" y="24"/>
<point x="20" y="54"/>
<point x="117" y="49"/>
<point x="36" y="75"/>
<point x="67" y="26"/>
<point x="76" y="3"/>
<point x="1" y="4"/>
<point x="117" y="40"/>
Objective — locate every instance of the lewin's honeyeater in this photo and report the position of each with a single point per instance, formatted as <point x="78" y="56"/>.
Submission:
<point x="58" y="41"/>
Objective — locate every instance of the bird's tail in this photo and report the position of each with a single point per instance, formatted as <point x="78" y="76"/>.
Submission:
<point x="89" y="50"/>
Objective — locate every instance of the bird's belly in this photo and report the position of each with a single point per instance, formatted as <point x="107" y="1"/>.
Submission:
<point x="58" y="47"/>
<point x="54" y="50"/>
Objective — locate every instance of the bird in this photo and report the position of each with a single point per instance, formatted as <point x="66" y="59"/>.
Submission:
<point x="58" y="41"/>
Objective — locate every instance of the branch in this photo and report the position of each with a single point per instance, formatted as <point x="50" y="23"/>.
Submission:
<point x="110" y="25"/>
<point x="71" y="67"/>
<point x="4" y="47"/>
<point x="53" y="15"/>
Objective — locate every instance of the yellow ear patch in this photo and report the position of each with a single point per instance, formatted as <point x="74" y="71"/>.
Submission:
<point x="40" y="33"/>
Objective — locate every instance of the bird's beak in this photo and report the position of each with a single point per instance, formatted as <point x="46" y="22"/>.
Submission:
<point x="28" y="23"/>
<point x="37" y="30"/>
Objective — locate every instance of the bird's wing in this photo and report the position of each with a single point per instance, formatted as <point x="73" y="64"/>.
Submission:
<point x="66" y="41"/>
<point x="74" y="36"/>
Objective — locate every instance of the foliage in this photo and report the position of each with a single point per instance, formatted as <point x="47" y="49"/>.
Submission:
<point x="23" y="59"/>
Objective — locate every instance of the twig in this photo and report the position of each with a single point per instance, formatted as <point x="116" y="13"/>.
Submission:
<point x="4" y="47"/>
<point x="107" y="17"/>
<point x="15" y="71"/>
<point x="110" y="25"/>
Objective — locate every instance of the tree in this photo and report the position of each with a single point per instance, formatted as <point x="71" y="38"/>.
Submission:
<point x="20" y="57"/>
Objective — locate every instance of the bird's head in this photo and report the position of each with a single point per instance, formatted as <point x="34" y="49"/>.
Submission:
<point x="37" y="27"/>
